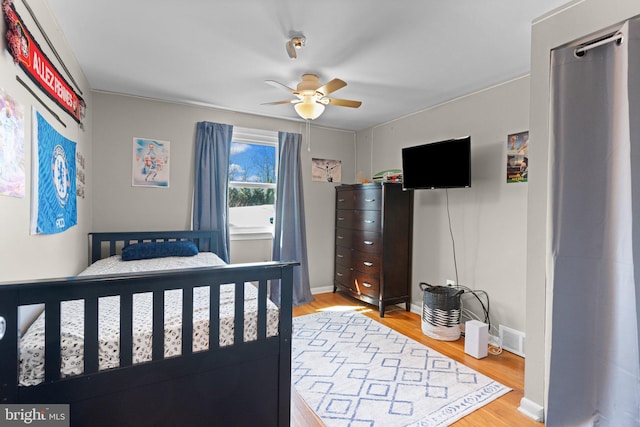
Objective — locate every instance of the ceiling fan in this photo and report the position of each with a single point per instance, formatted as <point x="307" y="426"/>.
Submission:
<point x="311" y="96"/>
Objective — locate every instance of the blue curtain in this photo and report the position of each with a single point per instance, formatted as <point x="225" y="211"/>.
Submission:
<point x="211" y="183"/>
<point x="290" y="240"/>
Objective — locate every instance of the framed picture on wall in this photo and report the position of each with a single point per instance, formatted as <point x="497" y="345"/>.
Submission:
<point x="326" y="170"/>
<point x="150" y="163"/>
<point x="518" y="157"/>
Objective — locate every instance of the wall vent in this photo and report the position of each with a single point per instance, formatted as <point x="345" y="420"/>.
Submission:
<point x="512" y="340"/>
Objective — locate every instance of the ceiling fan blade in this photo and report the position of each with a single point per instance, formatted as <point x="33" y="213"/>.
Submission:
<point x="344" y="102"/>
<point x="288" y="101"/>
<point x="279" y="85"/>
<point x="331" y="86"/>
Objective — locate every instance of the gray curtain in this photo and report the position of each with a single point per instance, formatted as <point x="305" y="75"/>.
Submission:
<point x="290" y="241"/>
<point x="211" y="183"/>
<point x="594" y="360"/>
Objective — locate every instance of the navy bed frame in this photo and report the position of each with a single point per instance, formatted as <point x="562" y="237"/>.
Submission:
<point x="246" y="384"/>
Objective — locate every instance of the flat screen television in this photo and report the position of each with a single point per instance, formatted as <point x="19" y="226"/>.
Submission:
<point x="442" y="164"/>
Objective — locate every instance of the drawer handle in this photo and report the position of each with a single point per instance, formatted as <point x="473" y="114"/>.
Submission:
<point x="340" y="256"/>
<point x="340" y="237"/>
<point x="367" y="263"/>
<point x="366" y="285"/>
<point x="369" y="200"/>
<point x="341" y="200"/>
<point x="369" y="221"/>
<point x="339" y="274"/>
<point x="368" y="242"/>
<point x="340" y="218"/>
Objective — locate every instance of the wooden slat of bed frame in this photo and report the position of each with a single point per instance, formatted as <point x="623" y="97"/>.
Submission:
<point x="187" y="320"/>
<point x="157" y="343"/>
<point x="52" y="341"/>
<point x="238" y="329"/>
<point x="126" y="329"/>
<point x="262" y="309"/>
<point x="214" y="316"/>
<point x="90" y="335"/>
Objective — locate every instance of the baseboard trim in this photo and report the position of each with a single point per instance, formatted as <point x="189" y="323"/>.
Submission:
<point x="531" y="409"/>
<point x="414" y="308"/>
<point x="417" y="309"/>
<point x="321" y="290"/>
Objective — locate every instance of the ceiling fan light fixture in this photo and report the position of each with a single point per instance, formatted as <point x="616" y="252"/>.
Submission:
<point x="309" y="109"/>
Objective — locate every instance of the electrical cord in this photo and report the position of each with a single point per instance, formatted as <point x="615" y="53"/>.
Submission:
<point x="453" y="240"/>
<point x="493" y="349"/>
<point x="495" y="342"/>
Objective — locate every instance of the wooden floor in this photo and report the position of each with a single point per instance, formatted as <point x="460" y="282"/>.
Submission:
<point x="507" y="368"/>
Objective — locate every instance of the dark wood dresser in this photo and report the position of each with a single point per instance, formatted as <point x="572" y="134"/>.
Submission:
<point x="374" y="229"/>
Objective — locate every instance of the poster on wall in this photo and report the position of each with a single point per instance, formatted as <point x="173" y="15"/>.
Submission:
<point x="150" y="163"/>
<point x="326" y="170"/>
<point x="12" y="175"/>
<point x="53" y="203"/>
<point x="80" y="175"/>
<point x="517" y="157"/>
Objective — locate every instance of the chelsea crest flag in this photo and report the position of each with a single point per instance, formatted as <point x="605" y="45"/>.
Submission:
<point x="54" y="180"/>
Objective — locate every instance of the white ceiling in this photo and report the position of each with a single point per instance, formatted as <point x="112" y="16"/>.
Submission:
<point x="397" y="57"/>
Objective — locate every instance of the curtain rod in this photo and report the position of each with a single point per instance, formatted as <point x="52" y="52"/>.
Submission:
<point x="615" y="37"/>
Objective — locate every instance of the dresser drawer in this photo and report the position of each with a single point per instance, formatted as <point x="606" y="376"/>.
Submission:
<point x="366" y="241"/>
<point x="344" y="237"/>
<point x="366" y="262"/>
<point x="359" y="220"/>
<point x="362" y="199"/>
<point x="344" y="218"/>
<point x="343" y="276"/>
<point x="368" y="284"/>
<point x="343" y="256"/>
<point x="368" y="199"/>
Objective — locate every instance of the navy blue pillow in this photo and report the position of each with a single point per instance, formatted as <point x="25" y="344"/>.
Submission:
<point x="148" y="250"/>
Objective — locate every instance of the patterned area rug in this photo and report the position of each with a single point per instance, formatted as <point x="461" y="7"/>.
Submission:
<point x="353" y="371"/>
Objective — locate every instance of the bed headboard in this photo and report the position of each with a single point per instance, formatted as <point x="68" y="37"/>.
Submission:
<point x="108" y="244"/>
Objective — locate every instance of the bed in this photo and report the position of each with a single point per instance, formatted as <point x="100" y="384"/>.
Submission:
<point x="151" y="346"/>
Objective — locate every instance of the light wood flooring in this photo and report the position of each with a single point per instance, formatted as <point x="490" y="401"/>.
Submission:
<point x="507" y="368"/>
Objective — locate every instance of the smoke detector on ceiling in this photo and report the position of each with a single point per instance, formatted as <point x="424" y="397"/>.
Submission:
<point x="294" y="44"/>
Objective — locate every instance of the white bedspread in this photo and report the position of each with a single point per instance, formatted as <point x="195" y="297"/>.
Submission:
<point x="72" y="324"/>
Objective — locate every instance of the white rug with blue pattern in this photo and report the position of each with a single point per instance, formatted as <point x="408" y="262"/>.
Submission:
<point x="353" y="371"/>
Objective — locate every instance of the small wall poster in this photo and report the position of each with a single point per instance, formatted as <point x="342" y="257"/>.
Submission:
<point x="517" y="157"/>
<point x="12" y="175"/>
<point x="150" y="163"/>
<point x="53" y="192"/>
<point x="326" y="170"/>
<point x="80" y="175"/>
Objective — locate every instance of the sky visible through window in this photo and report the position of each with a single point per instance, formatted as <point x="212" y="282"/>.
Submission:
<point x="252" y="163"/>
<point x="251" y="208"/>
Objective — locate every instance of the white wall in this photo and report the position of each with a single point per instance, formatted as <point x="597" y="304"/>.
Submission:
<point x="489" y="219"/>
<point x="23" y="256"/>
<point x="566" y="25"/>
<point x="119" y="206"/>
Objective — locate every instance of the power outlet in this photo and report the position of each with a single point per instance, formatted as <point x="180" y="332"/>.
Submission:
<point x="451" y="282"/>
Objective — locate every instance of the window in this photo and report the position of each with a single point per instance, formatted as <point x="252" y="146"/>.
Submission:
<point x="252" y="182"/>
